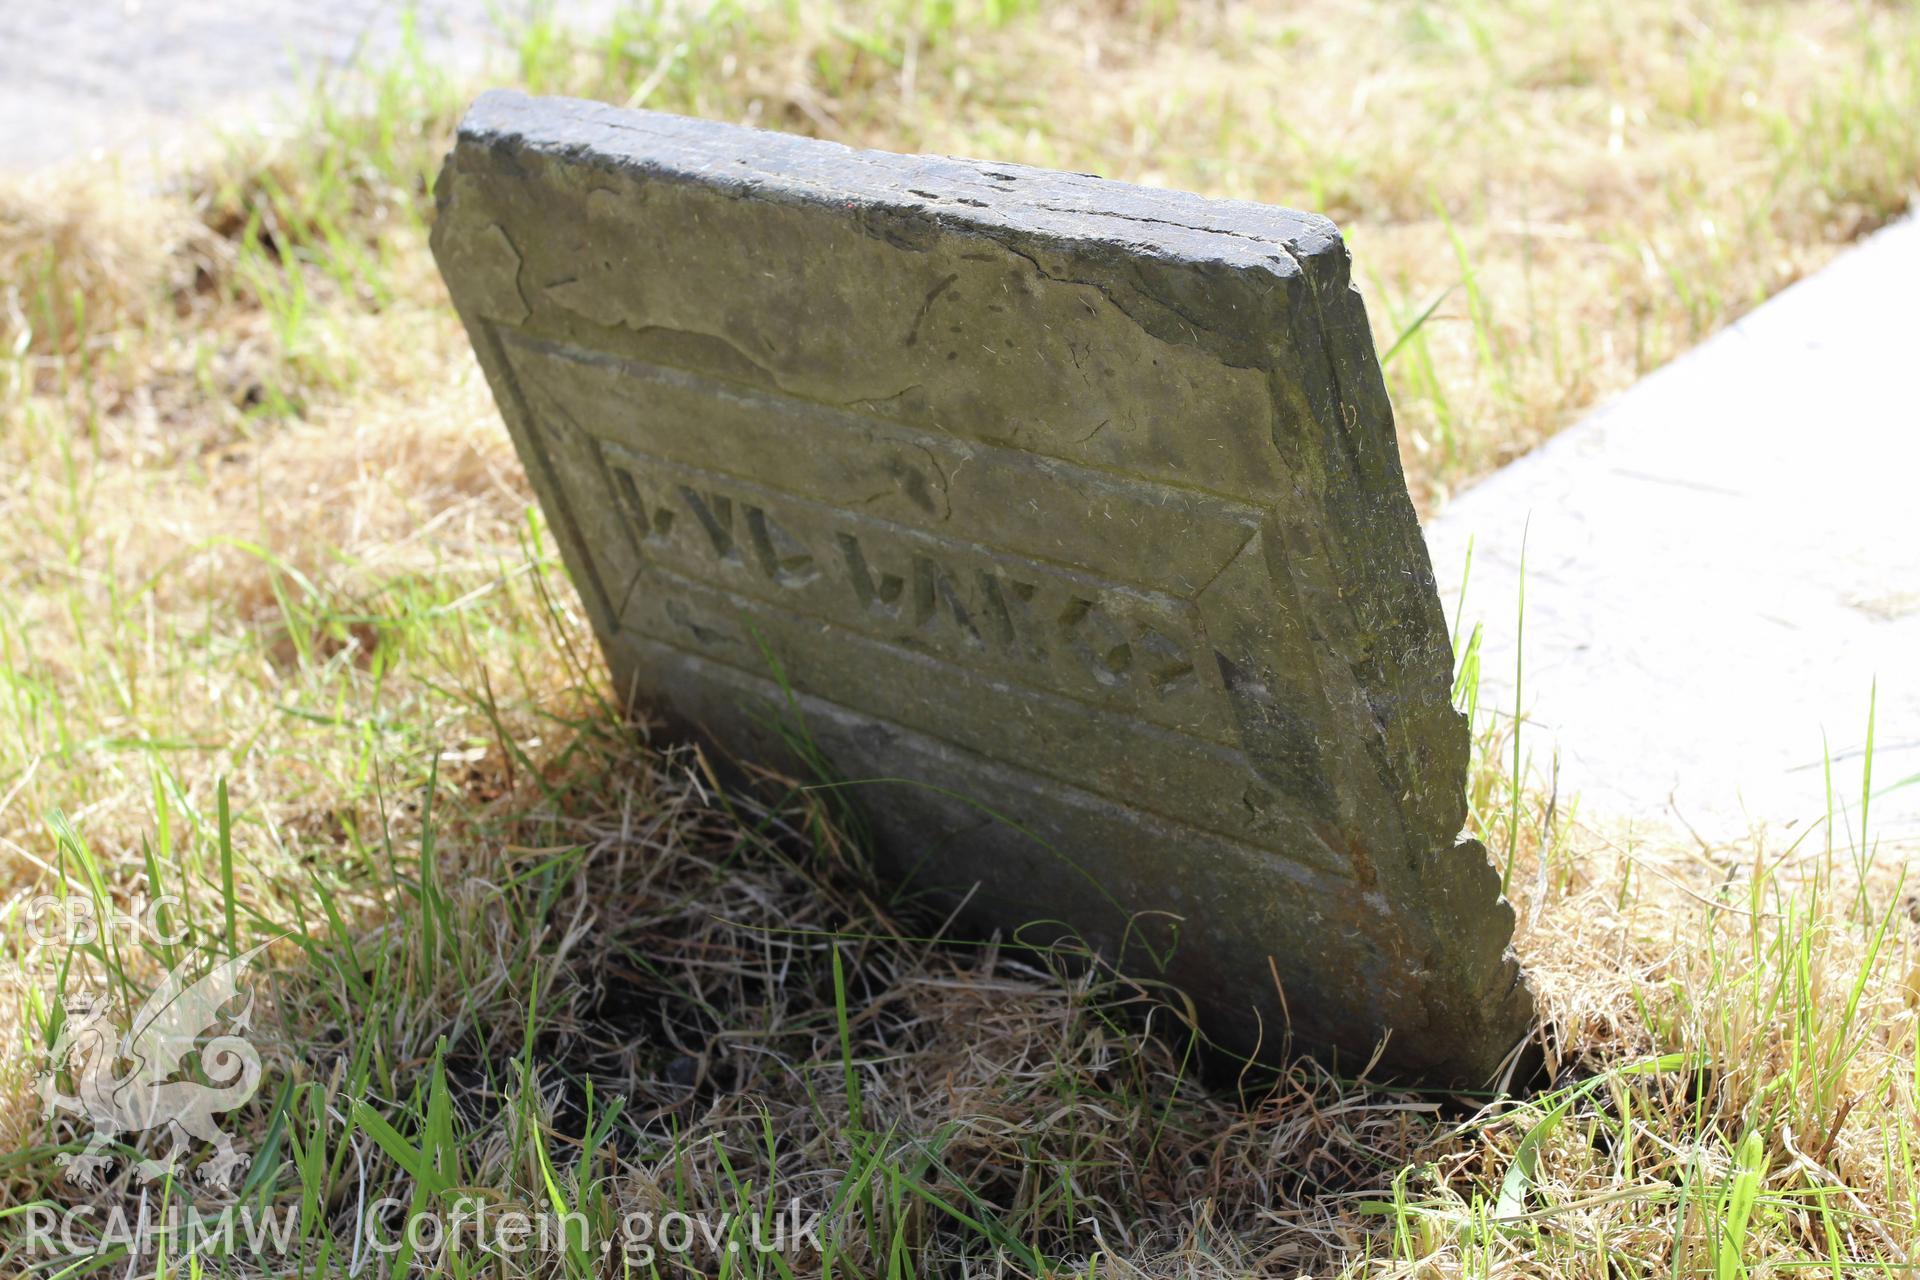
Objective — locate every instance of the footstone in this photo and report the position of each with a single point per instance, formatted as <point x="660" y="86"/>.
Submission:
<point x="1063" y="518"/>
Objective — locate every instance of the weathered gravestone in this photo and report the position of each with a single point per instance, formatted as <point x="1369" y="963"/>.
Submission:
<point x="1071" y="509"/>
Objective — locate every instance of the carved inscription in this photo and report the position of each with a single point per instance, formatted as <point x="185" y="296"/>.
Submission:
<point x="1057" y="627"/>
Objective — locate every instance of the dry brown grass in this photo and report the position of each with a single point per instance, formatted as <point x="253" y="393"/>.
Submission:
<point x="262" y="527"/>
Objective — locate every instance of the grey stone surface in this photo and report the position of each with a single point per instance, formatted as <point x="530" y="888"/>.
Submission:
<point x="1069" y="513"/>
<point x="1719" y="565"/>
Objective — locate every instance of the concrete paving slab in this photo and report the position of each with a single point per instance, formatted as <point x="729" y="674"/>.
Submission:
<point x="1720" y="564"/>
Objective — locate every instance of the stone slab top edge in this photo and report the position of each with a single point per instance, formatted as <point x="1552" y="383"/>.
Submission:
<point x="987" y="196"/>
